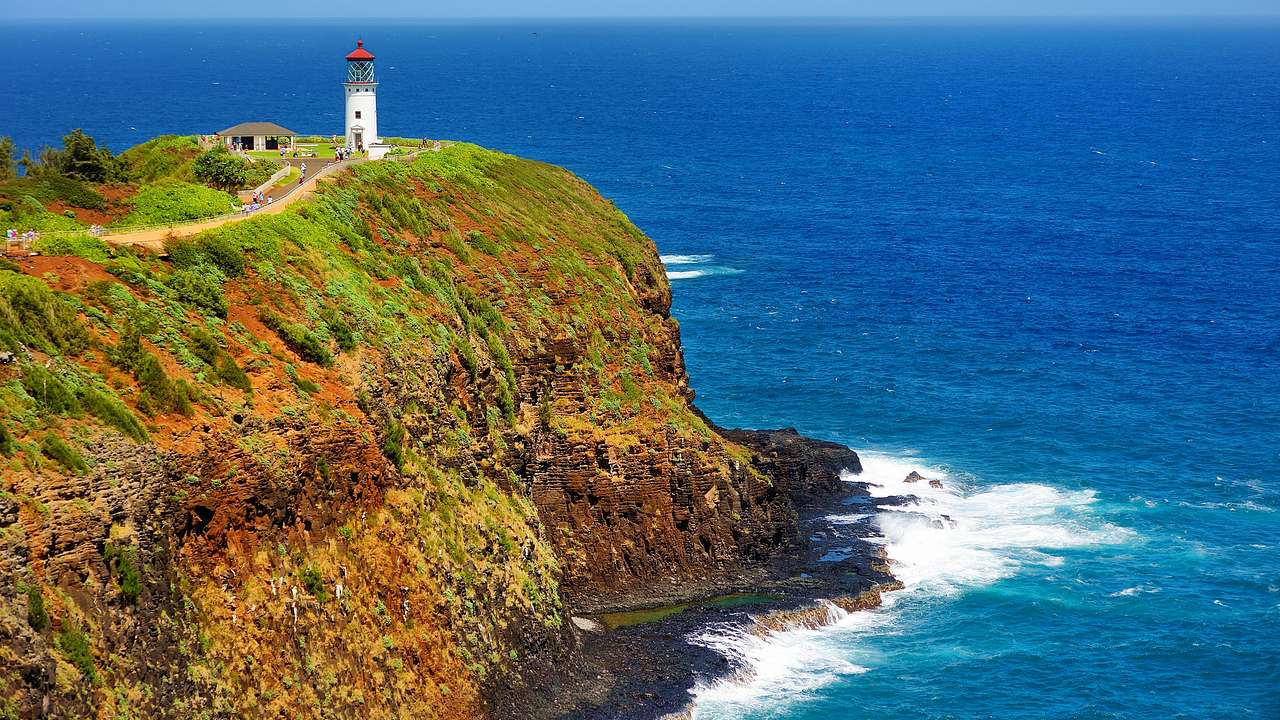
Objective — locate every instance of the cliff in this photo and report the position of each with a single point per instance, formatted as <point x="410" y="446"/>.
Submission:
<point x="358" y="459"/>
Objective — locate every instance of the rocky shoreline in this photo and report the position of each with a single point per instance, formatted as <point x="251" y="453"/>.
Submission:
<point x="637" y="663"/>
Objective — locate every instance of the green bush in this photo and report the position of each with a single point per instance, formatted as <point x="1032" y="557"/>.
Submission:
<point x="339" y="328"/>
<point x="313" y="582"/>
<point x="85" y="246"/>
<point x="201" y="290"/>
<point x="48" y="390"/>
<point x="219" y="168"/>
<point x="299" y="339"/>
<point x="172" y="201"/>
<point x="166" y="156"/>
<point x="33" y="315"/>
<point x="217" y="249"/>
<point x="393" y="444"/>
<point x="54" y="189"/>
<point x="113" y="412"/>
<point x="232" y="374"/>
<point x="55" y="448"/>
<point x="123" y="562"/>
<point x="159" y="393"/>
<point x="6" y="441"/>
<point x="483" y="243"/>
<point x="37" y="616"/>
<point x="75" y="647"/>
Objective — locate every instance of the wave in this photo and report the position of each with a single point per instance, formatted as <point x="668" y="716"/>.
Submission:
<point x="942" y="542"/>
<point x="685" y="259"/>
<point x="689" y="274"/>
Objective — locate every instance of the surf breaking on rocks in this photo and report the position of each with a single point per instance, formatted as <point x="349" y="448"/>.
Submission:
<point x="949" y="534"/>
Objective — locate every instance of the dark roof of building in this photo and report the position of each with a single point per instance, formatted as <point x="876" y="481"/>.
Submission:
<point x="255" y="128"/>
<point x="360" y="53"/>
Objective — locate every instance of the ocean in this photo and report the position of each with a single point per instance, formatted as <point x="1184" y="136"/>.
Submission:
<point x="1039" y="261"/>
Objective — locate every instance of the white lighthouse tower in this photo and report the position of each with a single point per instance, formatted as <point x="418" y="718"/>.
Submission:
<point x="362" y="99"/>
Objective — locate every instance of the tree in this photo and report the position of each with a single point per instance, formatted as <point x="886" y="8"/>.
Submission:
<point x="220" y="169"/>
<point x="82" y="159"/>
<point x="8" y="169"/>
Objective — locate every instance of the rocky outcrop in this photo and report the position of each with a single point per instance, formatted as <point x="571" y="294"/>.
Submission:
<point x="807" y="470"/>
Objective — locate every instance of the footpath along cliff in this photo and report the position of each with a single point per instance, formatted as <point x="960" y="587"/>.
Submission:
<point x="363" y="458"/>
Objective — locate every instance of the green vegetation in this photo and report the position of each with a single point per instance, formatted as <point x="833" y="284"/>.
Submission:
<point x="57" y="449"/>
<point x="84" y="246"/>
<point x="123" y="562"/>
<point x="74" y="645"/>
<point x="167" y="156"/>
<point x="37" y="616"/>
<point x="170" y="201"/>
<point x="80" y="159"/>
<point x="298" y="338"/>
<point x="8" y="166"/>
<point x="50" y="188"/>
<point x="313" y="582"/>
<point x="33" y="315"/>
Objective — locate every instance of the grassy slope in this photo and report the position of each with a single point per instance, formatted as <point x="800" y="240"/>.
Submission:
<point x="384" y="314"/>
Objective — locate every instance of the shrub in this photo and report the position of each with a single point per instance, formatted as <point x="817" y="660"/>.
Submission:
<point x="174" y="201"/>
<point x="298" y="338"/>
<point x="219" y="168"/>
<point x="37" y="616"/>
<point x="113" y="412"/>
<point x="55" y="448"/>
<point x="160" y="157"/>
<point x="393" y="444"/>
<point x="123" y="562"/>
<point x="49" y="391"/>
<point x="6" y="441"/>
<point x="217" y="249"/>
<point x="483" y="243"/>
<point x="55" y="188"/>
<point x="158" y="391"/>
<point x="75" y="647"/>
<point x="31" y="314"/>
<point x="340" y="330"/>
<point x="201" y="290"/>
<point x="231" y="374"/>
<point x="313" y="582"/>
<point x="85" y="246"/>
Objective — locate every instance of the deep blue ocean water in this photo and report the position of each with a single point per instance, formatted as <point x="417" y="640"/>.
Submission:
<point x="1040" y="261"/>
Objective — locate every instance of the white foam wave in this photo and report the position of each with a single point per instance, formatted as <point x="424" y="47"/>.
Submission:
<point x="1135" y="590"/>
<point x="947" y="540"/>
<point x="685" y="259"/>
<point x="710" y="270"/>
<point x="779" y="668"/>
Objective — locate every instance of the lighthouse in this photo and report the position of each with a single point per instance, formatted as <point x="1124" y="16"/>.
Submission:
<point x="362" y="99"/>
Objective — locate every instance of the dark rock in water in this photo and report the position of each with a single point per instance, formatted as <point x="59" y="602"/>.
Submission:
<point x="807" y="470"/>
<point x="913" y="477"/>
<point x="935" y="484"/>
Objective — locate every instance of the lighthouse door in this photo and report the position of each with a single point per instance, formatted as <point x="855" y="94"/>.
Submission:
<point x="357" y="138"/>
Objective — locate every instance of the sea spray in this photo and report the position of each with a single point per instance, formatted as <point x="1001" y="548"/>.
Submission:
<point x="945" y="537"/>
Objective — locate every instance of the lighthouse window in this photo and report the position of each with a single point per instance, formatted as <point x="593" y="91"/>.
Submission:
<point x="357" y="114"/>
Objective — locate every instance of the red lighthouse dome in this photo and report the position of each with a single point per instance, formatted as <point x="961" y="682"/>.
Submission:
<point x="360" y="53"/>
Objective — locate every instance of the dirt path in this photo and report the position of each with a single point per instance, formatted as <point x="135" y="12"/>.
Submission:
<point x="153" y="238"/>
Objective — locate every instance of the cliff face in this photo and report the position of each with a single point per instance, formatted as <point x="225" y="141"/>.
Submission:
<point x="356" y="458"/>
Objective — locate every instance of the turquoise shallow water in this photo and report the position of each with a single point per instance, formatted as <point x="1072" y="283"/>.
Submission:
<point x="1039" y="261"/>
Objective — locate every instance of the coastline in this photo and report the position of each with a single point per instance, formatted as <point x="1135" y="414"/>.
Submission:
<point x="637" y="660"/>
